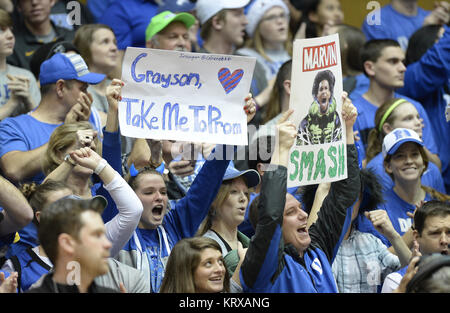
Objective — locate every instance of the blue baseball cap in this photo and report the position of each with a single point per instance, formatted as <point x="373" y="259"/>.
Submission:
<point x="396" y="138"/>
<point x="252" y="176"/>
<point x="67" y="66"/>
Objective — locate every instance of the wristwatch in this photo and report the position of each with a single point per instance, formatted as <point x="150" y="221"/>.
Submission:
<point x="69" y="160"/>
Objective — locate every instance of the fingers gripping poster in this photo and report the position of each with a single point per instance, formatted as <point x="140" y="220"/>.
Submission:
<point x="185" y="96"/>
<point x="319" y="153"/>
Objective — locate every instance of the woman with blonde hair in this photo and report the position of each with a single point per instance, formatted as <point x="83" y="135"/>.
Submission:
<point x="196" y="265"/>
<point x="396" y="113"/>
<point x="227" y="212"/>
<point x="269" y="39"/>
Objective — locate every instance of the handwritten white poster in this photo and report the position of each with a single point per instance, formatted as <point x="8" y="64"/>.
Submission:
<point x="319" y="154"/>
<point x="185" y="96"/>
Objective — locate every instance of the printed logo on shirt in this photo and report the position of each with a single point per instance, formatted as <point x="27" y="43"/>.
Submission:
<point x="29" y="53"/>
<point x="317" y="265"/>
<point x="405" y="224"/>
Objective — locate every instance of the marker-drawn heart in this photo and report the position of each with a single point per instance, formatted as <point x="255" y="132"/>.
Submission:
<point x="230" y="80"/>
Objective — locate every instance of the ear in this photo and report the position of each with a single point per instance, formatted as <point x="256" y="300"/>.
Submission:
<point x="149" y="44"/>
<point x="369" y="68"/>
<point x="287" y="86"/>
<point x="38" y="216"/>
<point x="387" y="168"/>
<point x="260" y="168"/>
<point x="217" y="23"/>
<point x="313" y="17"/>
<point x="66" y="244"/>
<point x="59" y="88"/>
<point x="52" y="3"/>
<point x="415" y="234"/>
<point x="387" y="128"/>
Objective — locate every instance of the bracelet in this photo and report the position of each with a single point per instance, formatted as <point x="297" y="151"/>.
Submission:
<point x="101" y="165"/>
<point x="69" y="160"/>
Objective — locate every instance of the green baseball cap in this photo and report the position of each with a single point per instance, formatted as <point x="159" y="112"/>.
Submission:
<point x="160" y="21"/>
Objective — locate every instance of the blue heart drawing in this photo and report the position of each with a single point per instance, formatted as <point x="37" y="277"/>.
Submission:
<point x="230" y="80"/>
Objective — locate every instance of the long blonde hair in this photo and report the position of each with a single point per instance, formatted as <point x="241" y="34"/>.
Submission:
<point x="256" y="42"/>
<point x="221" y="197"/>
<point x="62" y="138"/>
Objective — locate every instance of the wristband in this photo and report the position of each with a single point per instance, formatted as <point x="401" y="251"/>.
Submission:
<point x="69" y="160"/>
<point x="101" y="165"/>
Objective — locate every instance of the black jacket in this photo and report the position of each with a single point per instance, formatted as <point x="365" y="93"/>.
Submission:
<point x="49" y="286"/>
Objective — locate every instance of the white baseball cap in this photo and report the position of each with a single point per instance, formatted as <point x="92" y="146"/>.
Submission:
<point x="205" y="9"/>
<point x="396" y="138"/>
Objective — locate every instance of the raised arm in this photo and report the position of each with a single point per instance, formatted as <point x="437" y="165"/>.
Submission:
<point x="190" y="211"/>
<point x="264" y="254"/>
<point x="381" y="222"/>
<point x="335" y="211"/>
<point x="119" y="229"/>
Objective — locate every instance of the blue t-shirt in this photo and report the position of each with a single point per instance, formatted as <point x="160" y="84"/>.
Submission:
<point x="25" y="133"/>
<point x="366" y="121"/>
<point x="396" y="209"/>
<point x="362" y="85"/>
<point x="393" y="25"/>
<point x="431" y="178"/>
<point x="129" y="20"/>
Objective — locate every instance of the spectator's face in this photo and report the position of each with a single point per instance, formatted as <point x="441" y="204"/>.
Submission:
<point x="73" y="91"/>
<point x="232" y="211"/>
<point x="7" y="41"/>
<point x="294" y="224"/>
<point x="406" y="116"/>
<point x="92" y="249"/>
<point x="210" y="273"/>
<point x="323" y="95"/>
<point x="389" y="70"/>
<point x="35" y="11"/>
<point x="174" y="37"/>
<point x="435" y="236"/>
<point x="234" y="24"/>
<point x="328" y="11"/>
<point x="104" y="55"/>
<point x="273" y="26"/>
<point x="151" y="190"/>
<point x="406" y="164"/>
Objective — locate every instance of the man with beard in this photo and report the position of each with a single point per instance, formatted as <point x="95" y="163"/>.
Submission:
<point x="322" y="124"/>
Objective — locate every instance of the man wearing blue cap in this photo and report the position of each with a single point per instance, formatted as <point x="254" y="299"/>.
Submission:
<point x="64" y="79"/>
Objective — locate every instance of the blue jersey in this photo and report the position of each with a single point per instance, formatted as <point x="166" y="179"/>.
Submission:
<point x="396" y="209"/>
<point x="425" y="81"/>
<point x="270" y="265"/>
<point x="366" y="121"/>
<point x="149" y="249"/>
<point x="431" y="177"/>
<point x="393" y="25"/>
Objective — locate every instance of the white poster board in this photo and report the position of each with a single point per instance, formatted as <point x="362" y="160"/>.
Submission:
<point x="319" y="153"/>
<point x="185" y="96"/>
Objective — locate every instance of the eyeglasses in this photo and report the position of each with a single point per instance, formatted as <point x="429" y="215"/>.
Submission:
<point x="274" y="17"/>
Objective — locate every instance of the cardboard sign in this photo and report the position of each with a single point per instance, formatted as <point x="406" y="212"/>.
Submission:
<point x="185" y="96"/>
<point x="319" y="154"/>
